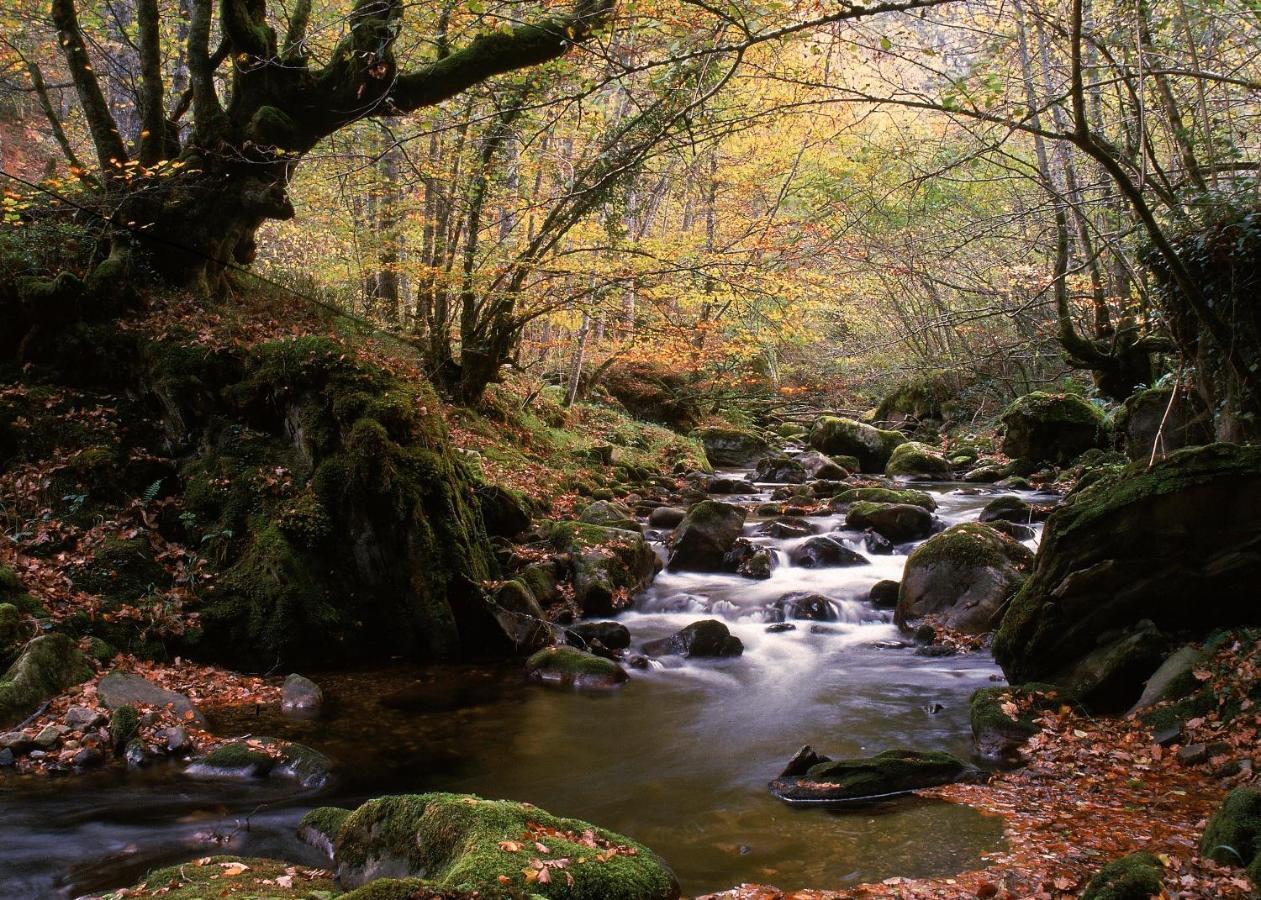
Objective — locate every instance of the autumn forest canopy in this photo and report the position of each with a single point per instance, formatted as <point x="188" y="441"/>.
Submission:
<point x="747" y="365"/>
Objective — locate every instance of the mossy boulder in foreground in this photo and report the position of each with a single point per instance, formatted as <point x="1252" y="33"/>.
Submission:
<point x="1052" y="428"/>
<point x="891" y="772"/>
<point x="215" y="877"/>
<point x="1178" y="544"/>
<point x="46" y="667"/>
<point x="463" y="842"/>
<point x="1133" y="877"/>
<point x="871" y="446"/>
<point x="963" y="576"/>
<point x="1233" y="834"/>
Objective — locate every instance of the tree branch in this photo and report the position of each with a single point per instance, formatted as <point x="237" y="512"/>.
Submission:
<point x="110" y="152"/>
<point x="54" y="123"/>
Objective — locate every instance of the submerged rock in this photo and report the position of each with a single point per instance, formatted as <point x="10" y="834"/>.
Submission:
<point x="463" y="842"/>
<point x="963" y="576"/>
<point x="571" y="667"/>
<point x="891" y="772"/>
<point x="884" y="594"/>
<point x="1178" y="544"/>
<point x="613" y="635"/>
<point x="703" y="539"/>
<point x="802" y="605"/>
<point x="707" y="638"/>
<point x="787" y="527"/>
<point x="871" y="446"/>
<point x="47" y="666"/>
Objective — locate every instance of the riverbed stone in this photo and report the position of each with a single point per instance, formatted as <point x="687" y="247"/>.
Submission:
<point x="885" y="495"/>
<point x="1178" y="544"/>
<point x="919" y="459"/>
<point x="118" y="689"/>
<point x="666" y="517"/>
<point x="609" y="564"/>
<point x="1052" y="428"/>
<point x="871" y="446"/>
<point x="705" y="536"/>
<point x="300" y="696"/>
<point x="83" y="718"/>
<point x="613" y="635"/>
<point x="787" y="527"/>
<point x="47" y="666"/>
<point x="730" y="446"/>
<point x="962" y="576"/>
<point x="779" y="470"/>
<point x="707" y="638"/>
<point x="802" y="605"/>
<point x="884" y="594"/>
<point x="824" y="468"/>
<point x="802" y="761"/>
<point x="457" y="842"/>
<point x="891" y="772"/>
<point x="899" y="522"/>
<point x="1004" y="718"/>
<point x="571" y="667"/>
<point x="825" y="551"/>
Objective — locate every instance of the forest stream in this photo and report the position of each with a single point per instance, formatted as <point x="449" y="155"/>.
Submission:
<point x="679" y="758"/>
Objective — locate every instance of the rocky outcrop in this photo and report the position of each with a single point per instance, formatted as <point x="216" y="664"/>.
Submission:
<point x="1052" y="428"/>
<point x="871" y="446"/>
<point x="608" y="564"/>
<point x="1178" y="545"/>
<point x="962" y="576"/>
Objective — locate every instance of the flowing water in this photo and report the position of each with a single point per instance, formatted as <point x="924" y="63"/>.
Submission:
<point x="679" y="758"/>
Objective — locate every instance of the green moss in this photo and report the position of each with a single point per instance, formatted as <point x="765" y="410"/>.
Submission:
<point x="10" y="626"/>
<point x="1233" y="834"/>
<point x="1134" y="877"/>
<point x="238" y="756"/>
<point x="325" y="820"/>
<point x="123" y="724"/>
<point x="970" y="545"/>
<point x="914" y="458"/>
<point x="1032" y="699"/>
<point x="399" y="889"/>
<point x="574" y="662"/>
<point x="47" y="666"/>
<point x="467" y="843"/>
<point x="1055" y="428"/>
<point x="886" y="495"/>
<point x="122" y="569"/>
<point x="205" y="880"/>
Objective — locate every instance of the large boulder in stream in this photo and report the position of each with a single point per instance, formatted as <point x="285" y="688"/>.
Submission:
<point x="899" y="522"/>
<point x="779" y="470"/>
<point x="460" y="842"/>
<point x="962" y="576"/>
<point x="825" y="551"/>
<point x="823" y="468"/>
<point x="708" y="637"/>
<point x="571" y="667"/>
<point x="47" y="666"/>
<point x="703" y="539"/>
<point x="871" y="446"/>
<point x="914" y="458"/>
<point x="841" y="781"/>
<point x="885" y="495"/>
<point x="609" y="564"/>
<point x="1178" y="544"/>
<point x="729" y="446"/>
<point x="1052" y="428"/>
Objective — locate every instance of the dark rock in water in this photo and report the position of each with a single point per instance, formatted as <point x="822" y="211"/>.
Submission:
<point x="1013" y="530"/>
<point x="759" y="564"/>
<point x="570" y="667"/>
<point x="731" y="446"/>
<point x="821" y="468"/>
<point x="936" y="650"/>
<point x="780" y="627"/>
<point x="933" y="708"/>
<point x="319" y="828"/>
<point x="666" y="516"/>
<point x="704" y="537"/>
<point x="884" y="594"/>
<point x="637" y="661"/>
<point x="728" y="486"/>
<point x="1184" y="422"/>
<point x="234" y="760"/>
<point x="801" y="762"/>
<point x="455" y="842"/>
<point x="898" y="522"/>
<point x="787" y="527"/>
<point x="1052" y="428"/>
<point x="963" y="575"/>
<point x="891" y="772"/>
<point x="871" y="446"/>
<point x="301" y="697"/>
<point x="7" y="759"/>
<point x="803" y="605"/>
<point x="915" y="458"/>
<point x="707" y="638"/>
<point x="823" y="629"/>
<point x="87" y="758"/>
<point x="1177" y="544"/>
<point x="1011" y="509"/>
<point x="779" y="470"/>
<point x="1138" y="876"/>
<point x="516" y="623"/>
<point x="609" y="564"/>
<point x="825" y="551"/>
<point x="175" y="739"/>
<point x="1003" y="718"/>
<point x="613" y="635"/>
<point x="503" y="511"/>
<point x="119" y="689"/>
<point x="877" y="544"/>
<point x="884" y="495"/>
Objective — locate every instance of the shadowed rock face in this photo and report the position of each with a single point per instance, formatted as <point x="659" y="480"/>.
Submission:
<point x="1178" y="544"/>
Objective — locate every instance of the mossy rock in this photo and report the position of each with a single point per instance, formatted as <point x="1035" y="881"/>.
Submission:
<point x="886" y="495"/>
<point x="238" y="757"/>
<point x="727" y="446"/>
<point x="963" y="576"/>
<point x="124" y="722"/>
<point x="704" y="537"/>
<point x="1052" y="428"/>
<point x="891" y="772"/>
<point x="609" y="564"/>
<point x="1138" y="876"/>
<point x="871" y="446"/>
<point x="609" y="514"/>
<point x="899" y="522"/>
<point x="121" y="570"/>
<point x="791" y="430"/>
<point x="463" y="842"/>
<point x="920" y="397"/>
<point x="998" y="735"/>
<point x="10" y="627"/>
<point x="1175" y="544"/>
<point x="47" y="666"/>
<point x="1181" y="421"/>
<point x="571" y="667"/>
<point x="319" y="827"/>
<point x="914" y="458"/>
<point x="251" y="879"/>
<point x="1233" y="834"/>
